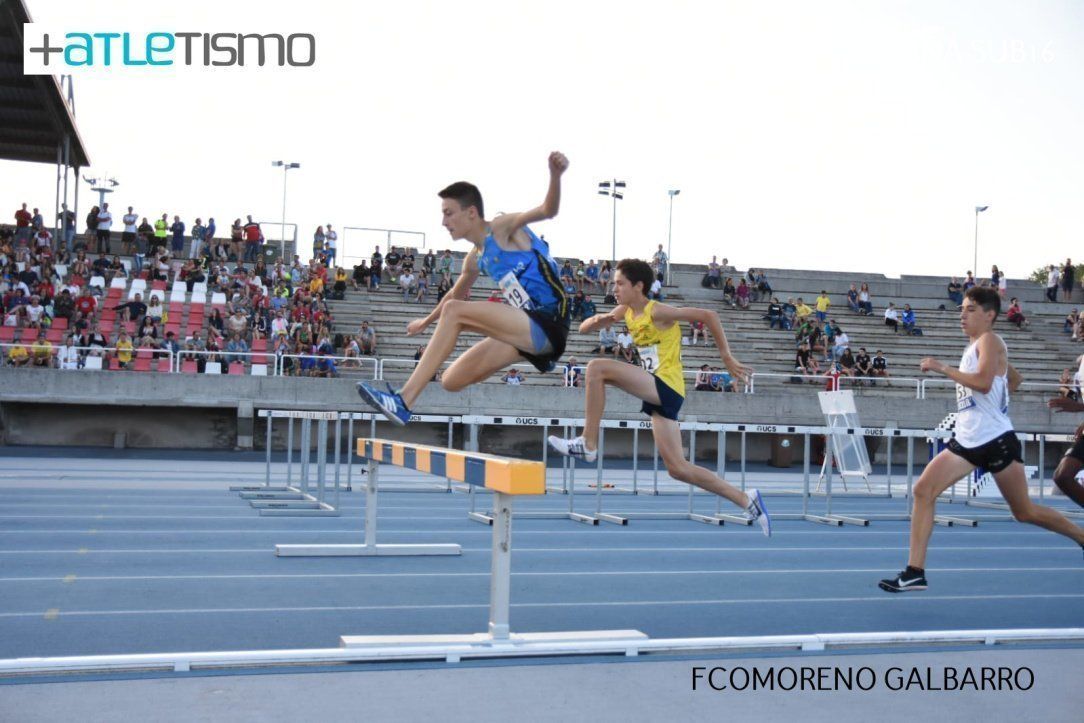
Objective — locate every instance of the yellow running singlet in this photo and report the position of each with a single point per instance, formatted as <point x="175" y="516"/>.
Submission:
<point x="660" y="351"/>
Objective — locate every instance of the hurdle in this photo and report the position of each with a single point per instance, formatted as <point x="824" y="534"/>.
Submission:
<point x="372" y="419"/>
<point x="507" y="478"/>
<point x="307" y="498"/>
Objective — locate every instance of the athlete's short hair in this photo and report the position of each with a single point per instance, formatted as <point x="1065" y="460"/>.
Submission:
<point x="466" y="195"/>
<point x="986" y="297"/>
<point x="635" y="272"/>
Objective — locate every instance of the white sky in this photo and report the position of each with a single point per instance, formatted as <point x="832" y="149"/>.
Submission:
<point x="829" y="135"/>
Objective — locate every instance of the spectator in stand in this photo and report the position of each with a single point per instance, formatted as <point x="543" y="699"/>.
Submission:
<point x="198" y="233"/>
<point x="35" y="312"/>
<point x="591" y="275"/>
<point x="730" y="292"/>
<point x="907" y="320"/>
<point x="847" y="364"/>
<point x="880" y="368"/>
<point x="144" y="234"/>
<point x="96" y="342"/>
<point x="161" y="234"/>
<point x="995" y="277"/>
<point x="605" y="277"/>
<point x="124" y="349"/>
<point x="703" y="379"/>
<point x="863" y="364"/>
<point x="407" y="284"/>
<point x="41" y="352"/>
<point x="801" y="311"/>
<point x="1071" y="320"/>
<point x="360" y="278"/>
<point x="1053" y="276"/>
<point x="367" y="339"/>
<point x="67" y="226"/>
<point x="429" y="263"/>
<point x="713" y="278"/>
<point x="852" y="299"/>
<point x="351" y="353"/>
<point x="43" y="241"/>
<point x="105" y="223"/>
<point x="215" y="323"/>
<point x="1015" y="314"/>
<point x="775" y="314"/>
<point x="128" y="235"/>
<point x="805" y="363"/>
<point x="147" y="328"/>
<point x="237" y="241"/>
<point x="67" y="357"/>
<point x="237" y="324"/>
<point x="581" y="275"/>
<point x="23" y="229"/>
<point x="446" y="265"/>
<point x="969" y="281"/>
<point x="1068" y="276"/>
<point x="133" y="310"/>
<point x="865" y="301"/>
<point x="624" y="351"/>
<point x="589" y="308"/>
<point x="607" y="341"/>
<point x="823" y="303"/>
<point x="18" y="356"/>
<point x="318" y="239"/>
<point x="332" y="246"/>
<point x="170" y="345"/>
<point x="37" y="221"/>
<point x="91" y="232"/>
<point x="85" y="304"/>
<point x="721" y="381"/>
<point x="660" y="263"/>
<point x="423" y="286"/>
<point x="841" y="343"/>
<point x="573" y="373"/>
<point x="513" y="377"/>
<point x="64" y="306"/>
<point x="236" y="349"/>
<point x="892" y="318"/>
<point x="956" y="291"/>
<point x="696" y="332"/>
<point x="253" y="235"/>
<point x="742" y="295"/>
<point x="393" y="265"/>
<point x="761" y="287"/>
<point x="568" y="276"/>
<point x="656" y="288"/>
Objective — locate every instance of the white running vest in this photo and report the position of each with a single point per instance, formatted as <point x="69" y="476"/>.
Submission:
<point x="981" y="417"/>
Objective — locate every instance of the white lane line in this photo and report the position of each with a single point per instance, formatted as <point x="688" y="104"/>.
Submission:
<point x="884" y="598"/>
<point x="571" y="550"/>
<point x="554" y="573"/>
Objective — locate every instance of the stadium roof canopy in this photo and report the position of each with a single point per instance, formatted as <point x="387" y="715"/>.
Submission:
<point x="34" y="117"/>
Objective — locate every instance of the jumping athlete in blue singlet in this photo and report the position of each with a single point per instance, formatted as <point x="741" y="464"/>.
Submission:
<point x="532" y="326"/>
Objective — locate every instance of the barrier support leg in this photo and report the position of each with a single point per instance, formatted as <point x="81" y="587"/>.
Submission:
<point x="370" y="548"/>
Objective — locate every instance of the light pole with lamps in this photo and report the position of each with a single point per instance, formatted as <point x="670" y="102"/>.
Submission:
<point x="975" y="261"/>
<point x="670" y="233"/>
<point x="285" y="168"/>
<point x="615" y="189"/>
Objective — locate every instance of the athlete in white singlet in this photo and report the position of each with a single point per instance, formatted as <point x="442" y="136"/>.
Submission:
<point x="984" y="438"/>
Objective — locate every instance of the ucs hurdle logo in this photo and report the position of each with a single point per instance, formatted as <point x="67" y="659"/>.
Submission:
<point x="49" y="50"/>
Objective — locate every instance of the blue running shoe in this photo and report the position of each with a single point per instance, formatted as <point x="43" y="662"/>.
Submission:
<point x="388" y="403"/>
<point x="758" y="512"/>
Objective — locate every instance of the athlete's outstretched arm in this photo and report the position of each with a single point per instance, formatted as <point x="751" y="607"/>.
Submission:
<point x="461" y="290"/>
<point x="665" y="315"/>
<point x="605" y="320"/>
<point x="506" y="225"/>
<point x="992" y="355"/>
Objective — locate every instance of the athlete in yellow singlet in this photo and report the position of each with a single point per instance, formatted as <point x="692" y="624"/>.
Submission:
<point x="659" y="381"/>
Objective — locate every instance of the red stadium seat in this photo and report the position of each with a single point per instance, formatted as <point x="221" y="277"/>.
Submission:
<point x="55" y="336"/>
<point x="142" y="364"/>
<point x="189" y="366"/>
<point x="144" y="353"/>
<point x="259" y="345"/>
<point x="259" y="359"/>
<point x="7" y="334"/>
<point x="237" y="368"/>
<point x="114" y="364"/>
<point x="61" y="322"/>
<point x="164" y="365"/>
<point x="158" y="284"/>
<point x="195" y="309"/>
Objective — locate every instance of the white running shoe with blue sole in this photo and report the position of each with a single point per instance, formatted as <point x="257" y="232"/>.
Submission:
<point x="575" y="448"/>
<point x="759" y="512"/>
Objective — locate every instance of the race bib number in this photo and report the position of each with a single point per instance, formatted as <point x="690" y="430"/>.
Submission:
<point x="649" y="358"/>
<point x="513" y="291"/>
<point x="964" y="400"/>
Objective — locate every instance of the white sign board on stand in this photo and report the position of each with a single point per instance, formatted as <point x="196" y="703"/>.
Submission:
<point x="847" y="448"/>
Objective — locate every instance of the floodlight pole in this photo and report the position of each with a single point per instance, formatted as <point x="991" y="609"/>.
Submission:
<point x="282" y="239"/>
<point x="670" y="234"/>
<point x="614" y="189"/>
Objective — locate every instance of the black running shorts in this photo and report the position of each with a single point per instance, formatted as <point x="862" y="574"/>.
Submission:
<point x="994" y="456"/>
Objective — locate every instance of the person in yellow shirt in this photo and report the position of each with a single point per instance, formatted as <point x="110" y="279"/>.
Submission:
<point x="659" y="382"/>
<point x="18" y="356"/>
<point x="802" y="310"/>
<point x="124" y="349"/>
<point x="823" y="304"/>
<point x="42" y="351"/>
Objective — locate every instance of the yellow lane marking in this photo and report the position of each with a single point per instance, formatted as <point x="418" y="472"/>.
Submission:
<point x="81" y="551"/>
<point x="52" y="613"/>
<point x="69" y="579"/>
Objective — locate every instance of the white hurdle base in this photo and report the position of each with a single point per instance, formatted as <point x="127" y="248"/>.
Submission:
<point x="453" y="648"/>
<point x="365" y="550"/>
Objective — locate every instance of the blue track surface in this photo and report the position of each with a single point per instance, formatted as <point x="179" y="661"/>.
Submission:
<point x="88" y="569"/>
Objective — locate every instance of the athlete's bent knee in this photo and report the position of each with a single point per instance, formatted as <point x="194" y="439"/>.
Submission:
<point x="453" y="309"/>
<point x="1027" y="514"/>
<point x="924" y="492"/>
<point x="453" y="383"/>
<point x="681" y="471"/>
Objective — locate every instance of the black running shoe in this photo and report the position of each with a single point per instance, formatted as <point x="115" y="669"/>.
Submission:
<point x="906" y="581"/>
